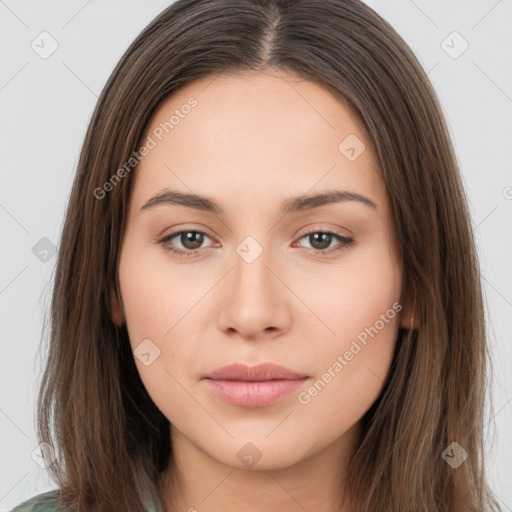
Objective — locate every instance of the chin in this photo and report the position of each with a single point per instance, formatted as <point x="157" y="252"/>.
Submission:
<point x="259" y="455"/>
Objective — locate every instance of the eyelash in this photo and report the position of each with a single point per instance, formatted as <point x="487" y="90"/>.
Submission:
<point x="345" y="242"/>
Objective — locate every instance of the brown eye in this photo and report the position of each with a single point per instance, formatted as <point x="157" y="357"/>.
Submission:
<point x="190" y="241"/>
<point x="320" y="241"/>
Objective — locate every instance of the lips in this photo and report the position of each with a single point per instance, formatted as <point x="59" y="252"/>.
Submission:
<point x="253" y="386"/>
<point x="260" y="372"/>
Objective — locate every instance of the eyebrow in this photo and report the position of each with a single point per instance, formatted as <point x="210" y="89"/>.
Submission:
<point x="291" y="205"/>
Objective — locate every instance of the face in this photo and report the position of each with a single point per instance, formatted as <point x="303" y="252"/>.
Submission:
<point x="311" y="285"/>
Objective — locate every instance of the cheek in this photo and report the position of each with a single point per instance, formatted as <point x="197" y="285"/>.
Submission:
<point x="156" y="295"/>
<point x="157" y="303"/>
<point x="359" y="306"/>
<point x="354" y="294"/>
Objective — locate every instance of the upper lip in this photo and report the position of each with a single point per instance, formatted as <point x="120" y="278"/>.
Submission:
<point x="259" y="372"/>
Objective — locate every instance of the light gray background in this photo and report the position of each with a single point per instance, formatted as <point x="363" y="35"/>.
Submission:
<point x="46" y="105"/>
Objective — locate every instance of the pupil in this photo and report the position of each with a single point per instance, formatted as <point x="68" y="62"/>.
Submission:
<point x="193" y="240"/>
<point x="326" y="240"/>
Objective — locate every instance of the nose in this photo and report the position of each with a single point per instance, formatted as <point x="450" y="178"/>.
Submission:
<point x="255" y="299"/>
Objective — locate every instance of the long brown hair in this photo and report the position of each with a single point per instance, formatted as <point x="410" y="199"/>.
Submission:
<point x="111" y="440"/>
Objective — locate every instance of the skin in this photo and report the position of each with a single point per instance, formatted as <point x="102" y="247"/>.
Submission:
<point x="253" y="141"/>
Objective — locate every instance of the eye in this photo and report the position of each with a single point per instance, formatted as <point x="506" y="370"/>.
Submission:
<point x="192" y="241"/>
<point x="322" y="240"/>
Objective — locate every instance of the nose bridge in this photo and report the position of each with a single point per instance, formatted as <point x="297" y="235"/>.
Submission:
<point x="253" y="300"/>
<point x="251" y="273"/>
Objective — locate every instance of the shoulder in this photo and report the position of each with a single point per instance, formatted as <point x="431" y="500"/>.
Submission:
<point x="44" y="502"/>
<point x="50" y="502"/>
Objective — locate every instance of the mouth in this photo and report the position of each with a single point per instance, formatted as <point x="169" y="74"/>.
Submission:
<point x="253" y="386"/>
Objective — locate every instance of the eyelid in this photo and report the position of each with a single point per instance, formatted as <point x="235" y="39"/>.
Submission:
<point x="309" y="229"/>
<point x="344" y="241"/>
<point x="322" y="227"/>
<point x="184" y="227"/>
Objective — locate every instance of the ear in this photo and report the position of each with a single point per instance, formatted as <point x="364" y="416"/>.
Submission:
<point x="405" y="322"/>
<point x="409" y="318"/>
<point x="116" y="308"/>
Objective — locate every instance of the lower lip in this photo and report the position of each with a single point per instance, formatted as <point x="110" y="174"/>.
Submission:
<point x="253" y="394"/>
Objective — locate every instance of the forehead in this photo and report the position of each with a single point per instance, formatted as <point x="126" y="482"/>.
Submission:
<point x="256" y="137"/>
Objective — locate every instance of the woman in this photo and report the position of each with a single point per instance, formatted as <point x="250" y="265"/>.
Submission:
<point x="267" y="294"/>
